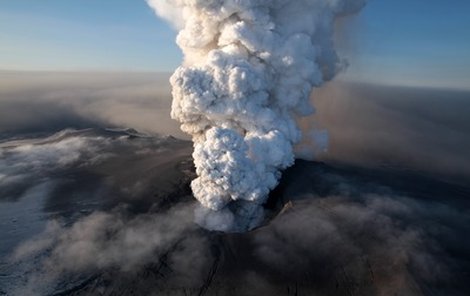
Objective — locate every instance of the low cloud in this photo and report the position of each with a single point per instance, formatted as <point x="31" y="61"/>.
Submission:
<point x="115" y="240"/>
<point x="343" y="233"/>
<point x="371" y="243"/>
<point x="84" y="157"/>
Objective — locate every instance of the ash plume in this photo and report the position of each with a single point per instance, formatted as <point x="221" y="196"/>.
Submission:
<point x="249" y="70"/>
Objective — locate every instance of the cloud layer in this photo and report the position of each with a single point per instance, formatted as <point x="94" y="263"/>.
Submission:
<point x="343" y="232"/>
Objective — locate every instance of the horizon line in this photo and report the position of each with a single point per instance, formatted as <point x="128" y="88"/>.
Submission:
<point x="339" y="79"/>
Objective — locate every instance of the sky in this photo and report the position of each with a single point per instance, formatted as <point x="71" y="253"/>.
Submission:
<point x="401" y="42"/>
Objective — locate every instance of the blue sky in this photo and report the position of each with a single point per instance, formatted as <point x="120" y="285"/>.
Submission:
<point x="404" y="42"/>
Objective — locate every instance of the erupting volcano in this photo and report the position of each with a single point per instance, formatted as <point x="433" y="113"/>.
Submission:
<point x="248" y="73"/>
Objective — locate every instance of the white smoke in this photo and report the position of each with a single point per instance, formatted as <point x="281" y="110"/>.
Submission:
<point x="250" y="67"/>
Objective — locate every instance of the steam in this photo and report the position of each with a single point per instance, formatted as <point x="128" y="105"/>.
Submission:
<point x="249" y="69"/>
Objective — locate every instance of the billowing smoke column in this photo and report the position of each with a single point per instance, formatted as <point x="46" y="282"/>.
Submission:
<point x="250" y="66"/>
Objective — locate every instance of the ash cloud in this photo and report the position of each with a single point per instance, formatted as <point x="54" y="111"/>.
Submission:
<point x="248" y="72"/>
<point x="421" y="129"/>
<point x="398" y="128"/>
<point x="51" y="101"/>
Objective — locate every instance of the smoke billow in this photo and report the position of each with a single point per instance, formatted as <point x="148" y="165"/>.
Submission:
<point x="249" y="69"/>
